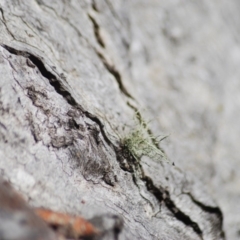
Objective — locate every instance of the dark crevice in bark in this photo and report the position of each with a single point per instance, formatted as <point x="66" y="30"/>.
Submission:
<point x="129" y="163"/>
<point x="1" y="10"/>
<point x="72" y="124"/>
<point x="65" y="141"/>
<point x="94" y="6"/>
<point x="211" y="210"/>
<point x="108" y="66"/>
<point x="59" y="88"/>
<point x="115" y="74"/>
<point x="132" y="165"/>
<point x="99" y="123"/>
<point x="97" y="31"/>
<point x="125" y="158"/>
<point x="153" y="189"/>
<point x="135" y="181"/>
<point x="163" y="196"/>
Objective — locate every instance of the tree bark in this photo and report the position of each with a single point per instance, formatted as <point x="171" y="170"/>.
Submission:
<point x="78" y="78"/>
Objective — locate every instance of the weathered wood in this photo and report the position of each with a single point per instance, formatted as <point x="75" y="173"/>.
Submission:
<point x="73" y="75"/>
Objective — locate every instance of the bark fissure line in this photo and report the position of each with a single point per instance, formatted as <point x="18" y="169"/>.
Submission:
<point x="164" y="196"/>
<point x="96" y="29"/>
<point x="4" y="22"/>
<point x="133" y="166"/>
<point x="111" y="69"/>
<point x="210" y="209"/>
<point x="61" y="90"/>
<point x="58" y="86"/>
<point x="115" y="73"/>
<point x="206" y="208"/>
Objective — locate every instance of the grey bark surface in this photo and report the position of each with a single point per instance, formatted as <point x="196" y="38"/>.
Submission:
<point x="73" y="75"/>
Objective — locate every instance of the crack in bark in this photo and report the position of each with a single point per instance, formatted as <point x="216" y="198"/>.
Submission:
<point x="96" y="29"/>
<point x="94" y="6"/>
<point x="210" y="209"/>
<point x="139" y="189"/>
<point x="5" y="24"/>
<point x="125" y="158"/>
<point x="206" y="208"/>
<point x="161" y="194"/>
<point x="3" y="20"/>
<point x="61" y="141"/>
<point x="115" y="73"/>
<point x="164" y="196"/>
<point x="59" y="88"/>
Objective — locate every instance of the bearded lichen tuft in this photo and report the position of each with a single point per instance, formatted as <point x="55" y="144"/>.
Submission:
<point x="141" y="143"/>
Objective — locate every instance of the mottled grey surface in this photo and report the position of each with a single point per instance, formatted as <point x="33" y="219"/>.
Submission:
<point x="72" y="75"/>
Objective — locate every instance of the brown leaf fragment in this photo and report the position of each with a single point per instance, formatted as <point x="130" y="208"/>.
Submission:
<point x="67" y="225"/>
<point x="17" y="220"/>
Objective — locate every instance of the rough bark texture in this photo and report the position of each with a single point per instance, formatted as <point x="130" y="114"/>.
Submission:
<point x="73" y="75"/>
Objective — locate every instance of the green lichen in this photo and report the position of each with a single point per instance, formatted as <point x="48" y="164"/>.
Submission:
<point x="140" y="143"/>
